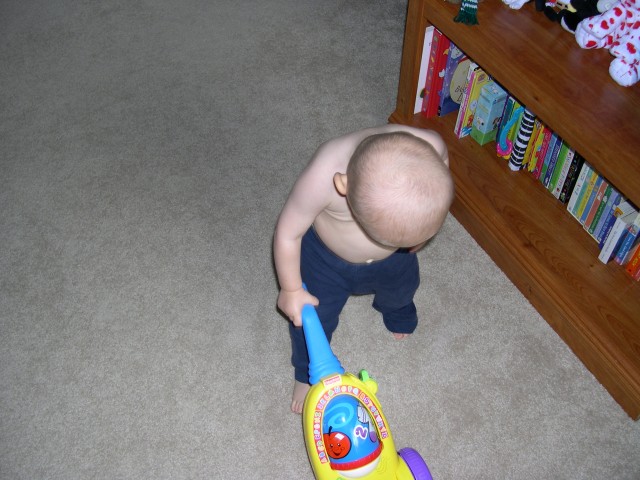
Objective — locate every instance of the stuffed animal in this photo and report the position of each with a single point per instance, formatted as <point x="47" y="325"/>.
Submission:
<point x="617" y="30"/>
<point x="517" y="4"/>
<point x="569" y="14"/>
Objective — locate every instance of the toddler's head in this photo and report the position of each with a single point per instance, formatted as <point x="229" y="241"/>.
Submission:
<point x="399" y="189"/>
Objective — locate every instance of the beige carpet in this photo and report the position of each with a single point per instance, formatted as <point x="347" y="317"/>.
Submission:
<point x="146" y="148"/>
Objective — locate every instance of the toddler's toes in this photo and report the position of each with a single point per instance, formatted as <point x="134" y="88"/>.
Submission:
<point x="299" y="393"/>
<point x="400" y="336"/>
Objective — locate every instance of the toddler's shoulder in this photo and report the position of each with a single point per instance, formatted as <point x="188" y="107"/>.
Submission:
<point x="335" y="153"/>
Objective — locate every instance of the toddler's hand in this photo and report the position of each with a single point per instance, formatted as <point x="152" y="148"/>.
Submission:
<point x="291" y="303"/>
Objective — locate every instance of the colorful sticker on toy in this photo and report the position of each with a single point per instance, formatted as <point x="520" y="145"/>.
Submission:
<point x="350" y="439"/>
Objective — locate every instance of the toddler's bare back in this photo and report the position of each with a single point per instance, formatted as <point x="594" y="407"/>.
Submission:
<point x="335" y="224"/>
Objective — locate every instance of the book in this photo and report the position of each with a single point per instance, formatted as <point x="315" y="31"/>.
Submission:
<point x="615" y="235"/>
<point x="572" y="177"/>
<point x="559" y="169"/>
<point x="424" y="65"/>
<point x="435" y="73"/>
<point x="585" y="194"/>
<point x="613" y="201"/>
<point x="431" y="63"/>
<point x="591" y="199"/>
<point x="633" y="266"/>
<point x="564" y="172"/>
<point x="542" y="152"/>
<point x="431" y="69"/>
<point x="547" y="156"/>
<point x="628" y="247"/>
<point x="488" y="113"/>
<point x="598" y="196"/>
<point x="623" y="208"/>
<point x="455" y="75"/>
<point x="464" y="103"/>
<point x="509" y="126"/>
<point x="523" y="136"/>
<point x="535" y="142"/>
<point x="551" y="163"/>
<point x="585" y="173"/>
<point x="506" y="114"/>
<point x="478" y="80"/>
<point x="602" y="206"/>
<point x="628" y="242"/>
<point x="616" y="252"/>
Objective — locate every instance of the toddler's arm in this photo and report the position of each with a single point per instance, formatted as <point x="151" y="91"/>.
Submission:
<point x="309" y="196"/>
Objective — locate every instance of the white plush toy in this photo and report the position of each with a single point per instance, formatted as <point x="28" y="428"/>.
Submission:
<point x="515" y="4"/>
<point x="618" y="30"/>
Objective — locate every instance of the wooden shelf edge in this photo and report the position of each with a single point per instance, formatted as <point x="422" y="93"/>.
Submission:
<point x="594" y="308"/>
<point x="616" y="371"/>
<point x="611" y="370"/>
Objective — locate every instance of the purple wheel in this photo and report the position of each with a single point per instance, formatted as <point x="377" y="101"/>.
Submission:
<point x="416" y="464"/>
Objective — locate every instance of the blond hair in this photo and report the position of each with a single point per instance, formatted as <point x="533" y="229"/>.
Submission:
<point x="399" y="189"/>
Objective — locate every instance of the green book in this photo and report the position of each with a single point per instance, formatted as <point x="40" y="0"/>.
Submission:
<point x="601" y="208"/>
<point x="557" y="169"/>
<point x="585" y="194"/>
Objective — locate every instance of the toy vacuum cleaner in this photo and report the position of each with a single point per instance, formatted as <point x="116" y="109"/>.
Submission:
<point x="346" y="434"/>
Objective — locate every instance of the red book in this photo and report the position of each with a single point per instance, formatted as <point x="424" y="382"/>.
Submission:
<point x="435" y="74"/>
<point x="633" y="267"/>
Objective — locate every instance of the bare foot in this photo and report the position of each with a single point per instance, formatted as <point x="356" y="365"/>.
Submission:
<point x="400" y="336"/>
<point x="299" y="393"/>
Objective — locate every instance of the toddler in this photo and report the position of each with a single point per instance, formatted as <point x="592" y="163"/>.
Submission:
<point x="351" y="225"/>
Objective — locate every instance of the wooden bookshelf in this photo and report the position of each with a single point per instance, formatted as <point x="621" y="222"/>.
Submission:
<point x="546" y="253"/>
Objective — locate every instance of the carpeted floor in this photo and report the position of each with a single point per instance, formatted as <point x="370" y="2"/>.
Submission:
<point x="146" y="148"/>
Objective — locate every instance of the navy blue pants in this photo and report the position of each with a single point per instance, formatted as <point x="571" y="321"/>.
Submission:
<point x="393" y="282"/>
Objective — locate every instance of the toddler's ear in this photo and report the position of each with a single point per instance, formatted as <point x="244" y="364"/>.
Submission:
<point x="340" y="181"/>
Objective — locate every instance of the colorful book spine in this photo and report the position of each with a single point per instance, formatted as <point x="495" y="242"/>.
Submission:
<point x="509" y="106"/>
<point x="615" y="236"/>
<point x="464" y="103"/>
<point x="572" y="177"/>
<point x="585" y="173"/>
<point x="433" y="89"/>
<point x="620" y="210"/>
<point x="602" y="206"/>
<point x="455" y="73"/>
<point x="559" y="167"/>
<point x="509" y="128"/>
<point x="479" y="79"/>
<point x="535" y="142"/>
<point x="488" y="111"/>
<point x="542" y="152"/>
<point x="628" y="242"/>
<point x="633" y="267"/>
<point x="614" y="200"/>
<point x="424" y="65"/>
<point x="553" y="159"/>
<point x="548" y="154"/>
<point x="590" y="200"/>
<point x="564" y="172"/>
<point x="585" y="194"/>
<point x="431" y="69"/>
<point x="522" y="140"/>
<point x="598" y="196"/>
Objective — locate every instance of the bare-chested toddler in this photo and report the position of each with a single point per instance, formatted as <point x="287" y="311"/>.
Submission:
<point x="353" y="221"/>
